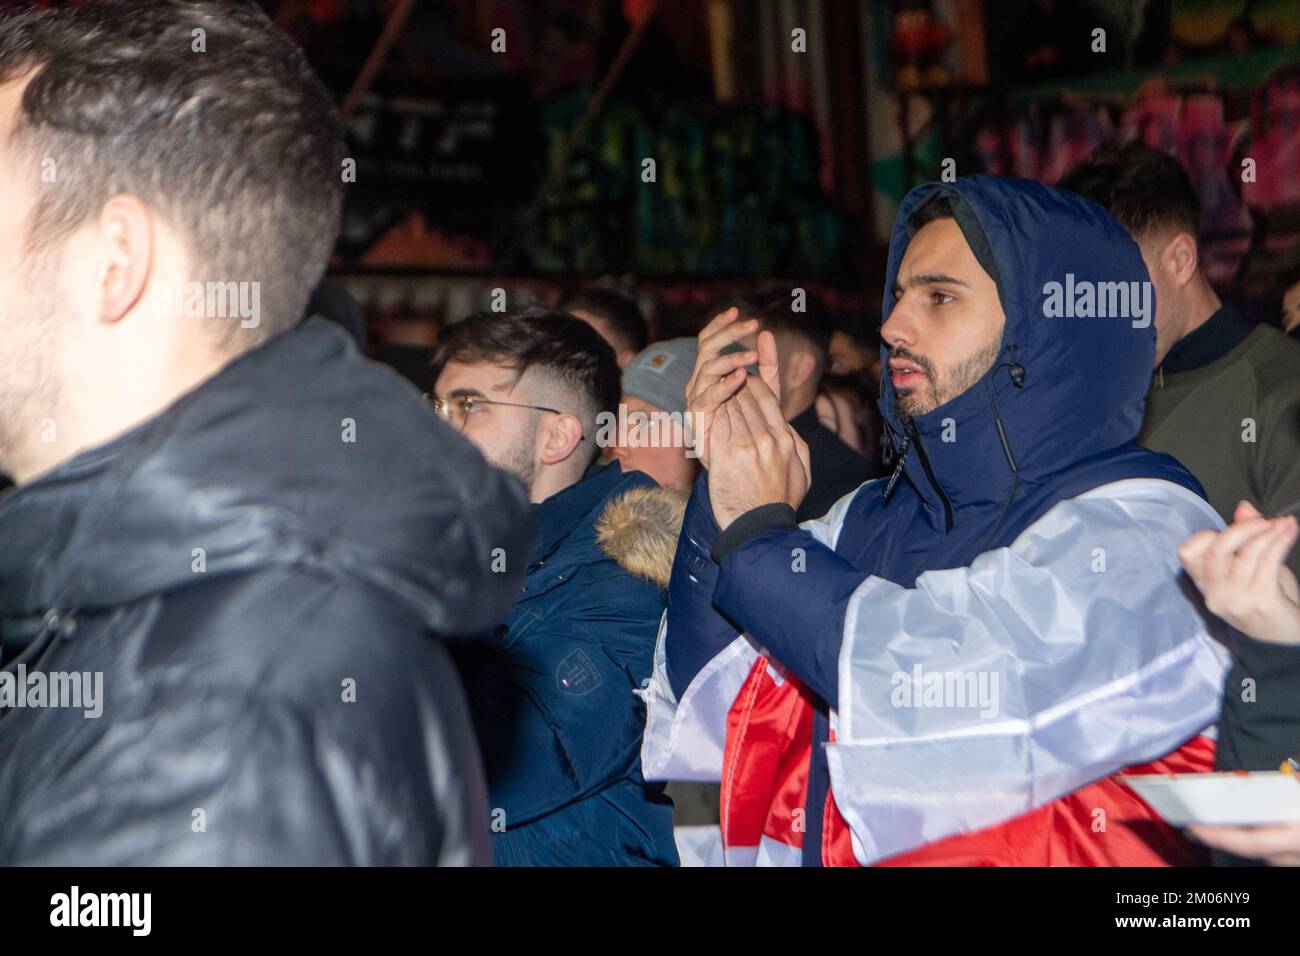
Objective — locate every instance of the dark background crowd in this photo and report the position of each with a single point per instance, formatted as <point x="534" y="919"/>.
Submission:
<point x="522" y="170"/>
<point x="514" y="172"/>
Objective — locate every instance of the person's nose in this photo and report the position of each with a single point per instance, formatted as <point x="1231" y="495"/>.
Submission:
<point x="901" y="329"/>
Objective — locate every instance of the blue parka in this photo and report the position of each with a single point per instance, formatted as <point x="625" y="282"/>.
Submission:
<point x="552" y="689"/>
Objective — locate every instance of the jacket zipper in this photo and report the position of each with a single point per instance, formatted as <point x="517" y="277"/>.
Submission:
<point x="911" y="439"/>
<point x="934" y="482"/>
<point x="903" y="450"/>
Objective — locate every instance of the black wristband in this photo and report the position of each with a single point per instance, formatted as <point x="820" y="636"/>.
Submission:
<point x="751" y="523"/>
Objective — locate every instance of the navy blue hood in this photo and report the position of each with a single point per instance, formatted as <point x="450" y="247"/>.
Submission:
<point x="1062" y="390"/>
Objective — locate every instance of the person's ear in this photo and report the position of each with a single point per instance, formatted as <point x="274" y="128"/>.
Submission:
<point x="1180" y="259"/>
<point x="126" y="246"/>
<point x="801" y="366"/>
<point x="560" y="438"/>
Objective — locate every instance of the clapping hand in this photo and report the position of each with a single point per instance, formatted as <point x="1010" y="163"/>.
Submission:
<point x="717" y="377"/>
<point x="1242" y="575"/>
<point x="758" y="459"/>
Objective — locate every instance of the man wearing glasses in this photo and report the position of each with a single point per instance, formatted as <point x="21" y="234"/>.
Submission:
<point x="551" y="689"/>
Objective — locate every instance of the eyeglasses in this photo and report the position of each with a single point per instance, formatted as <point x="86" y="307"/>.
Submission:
<point x="458" y="410"/>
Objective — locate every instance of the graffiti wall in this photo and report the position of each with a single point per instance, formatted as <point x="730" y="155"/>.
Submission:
<point x="737" y="193"/>
<point x="1240" y="147"/>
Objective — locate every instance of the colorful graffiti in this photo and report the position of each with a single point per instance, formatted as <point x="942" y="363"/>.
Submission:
<point x="1240" y="148"/>
<point x="734" y="193"/>
<point x="1240" y="145"/>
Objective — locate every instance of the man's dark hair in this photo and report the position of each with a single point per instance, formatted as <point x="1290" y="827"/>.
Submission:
<point x="203" y="110"/>
<point x="563" y="347"/>
<point x="863" y="334"/>
<point x="1146" y="189"/>
<point x="774" y="307"/>
<point x="619" y="310"/>
<point x="935" y="208"/>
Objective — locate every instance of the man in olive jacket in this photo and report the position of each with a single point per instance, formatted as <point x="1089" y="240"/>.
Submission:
<point x="1225" y="401"/>
<point x="1225" y="397"/>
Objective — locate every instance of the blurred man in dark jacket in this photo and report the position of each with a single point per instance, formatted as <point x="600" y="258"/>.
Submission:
<point x="552" y="689"/>
<point x="232" y="540"/>
<point x="1242" y="576"/>
<point x="802" y="329"/>
<point x="617" y="318"/>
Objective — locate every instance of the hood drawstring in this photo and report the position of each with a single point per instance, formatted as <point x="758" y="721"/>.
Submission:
<point x="903" y="449"/>
<point x="1017" y="373"/>
<point x="948" y="517"/>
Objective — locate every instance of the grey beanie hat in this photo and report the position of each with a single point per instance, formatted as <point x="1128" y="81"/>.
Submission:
<point x="659" y="374"/>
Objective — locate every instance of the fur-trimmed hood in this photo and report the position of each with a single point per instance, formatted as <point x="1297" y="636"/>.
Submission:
<point x="639" y="530"/>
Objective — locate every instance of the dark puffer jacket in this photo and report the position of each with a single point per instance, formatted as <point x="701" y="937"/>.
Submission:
<point x="258" y="572"/>
<point x="552" y="691"/>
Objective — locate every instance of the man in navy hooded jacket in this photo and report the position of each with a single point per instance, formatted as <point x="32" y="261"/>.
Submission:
<point x="951" y="665"/>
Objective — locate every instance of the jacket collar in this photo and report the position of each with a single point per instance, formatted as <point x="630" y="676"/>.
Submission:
<point x="955" y="457"/>
<point x="564" y="512"/>
<point x="1212" y="340"/>
<point x="806" y="421"/>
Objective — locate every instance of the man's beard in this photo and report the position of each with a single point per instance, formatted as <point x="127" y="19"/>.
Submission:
<point x="519" y="459"/>
<point x="32" y="328"/>
<point x="939" y="390"/>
